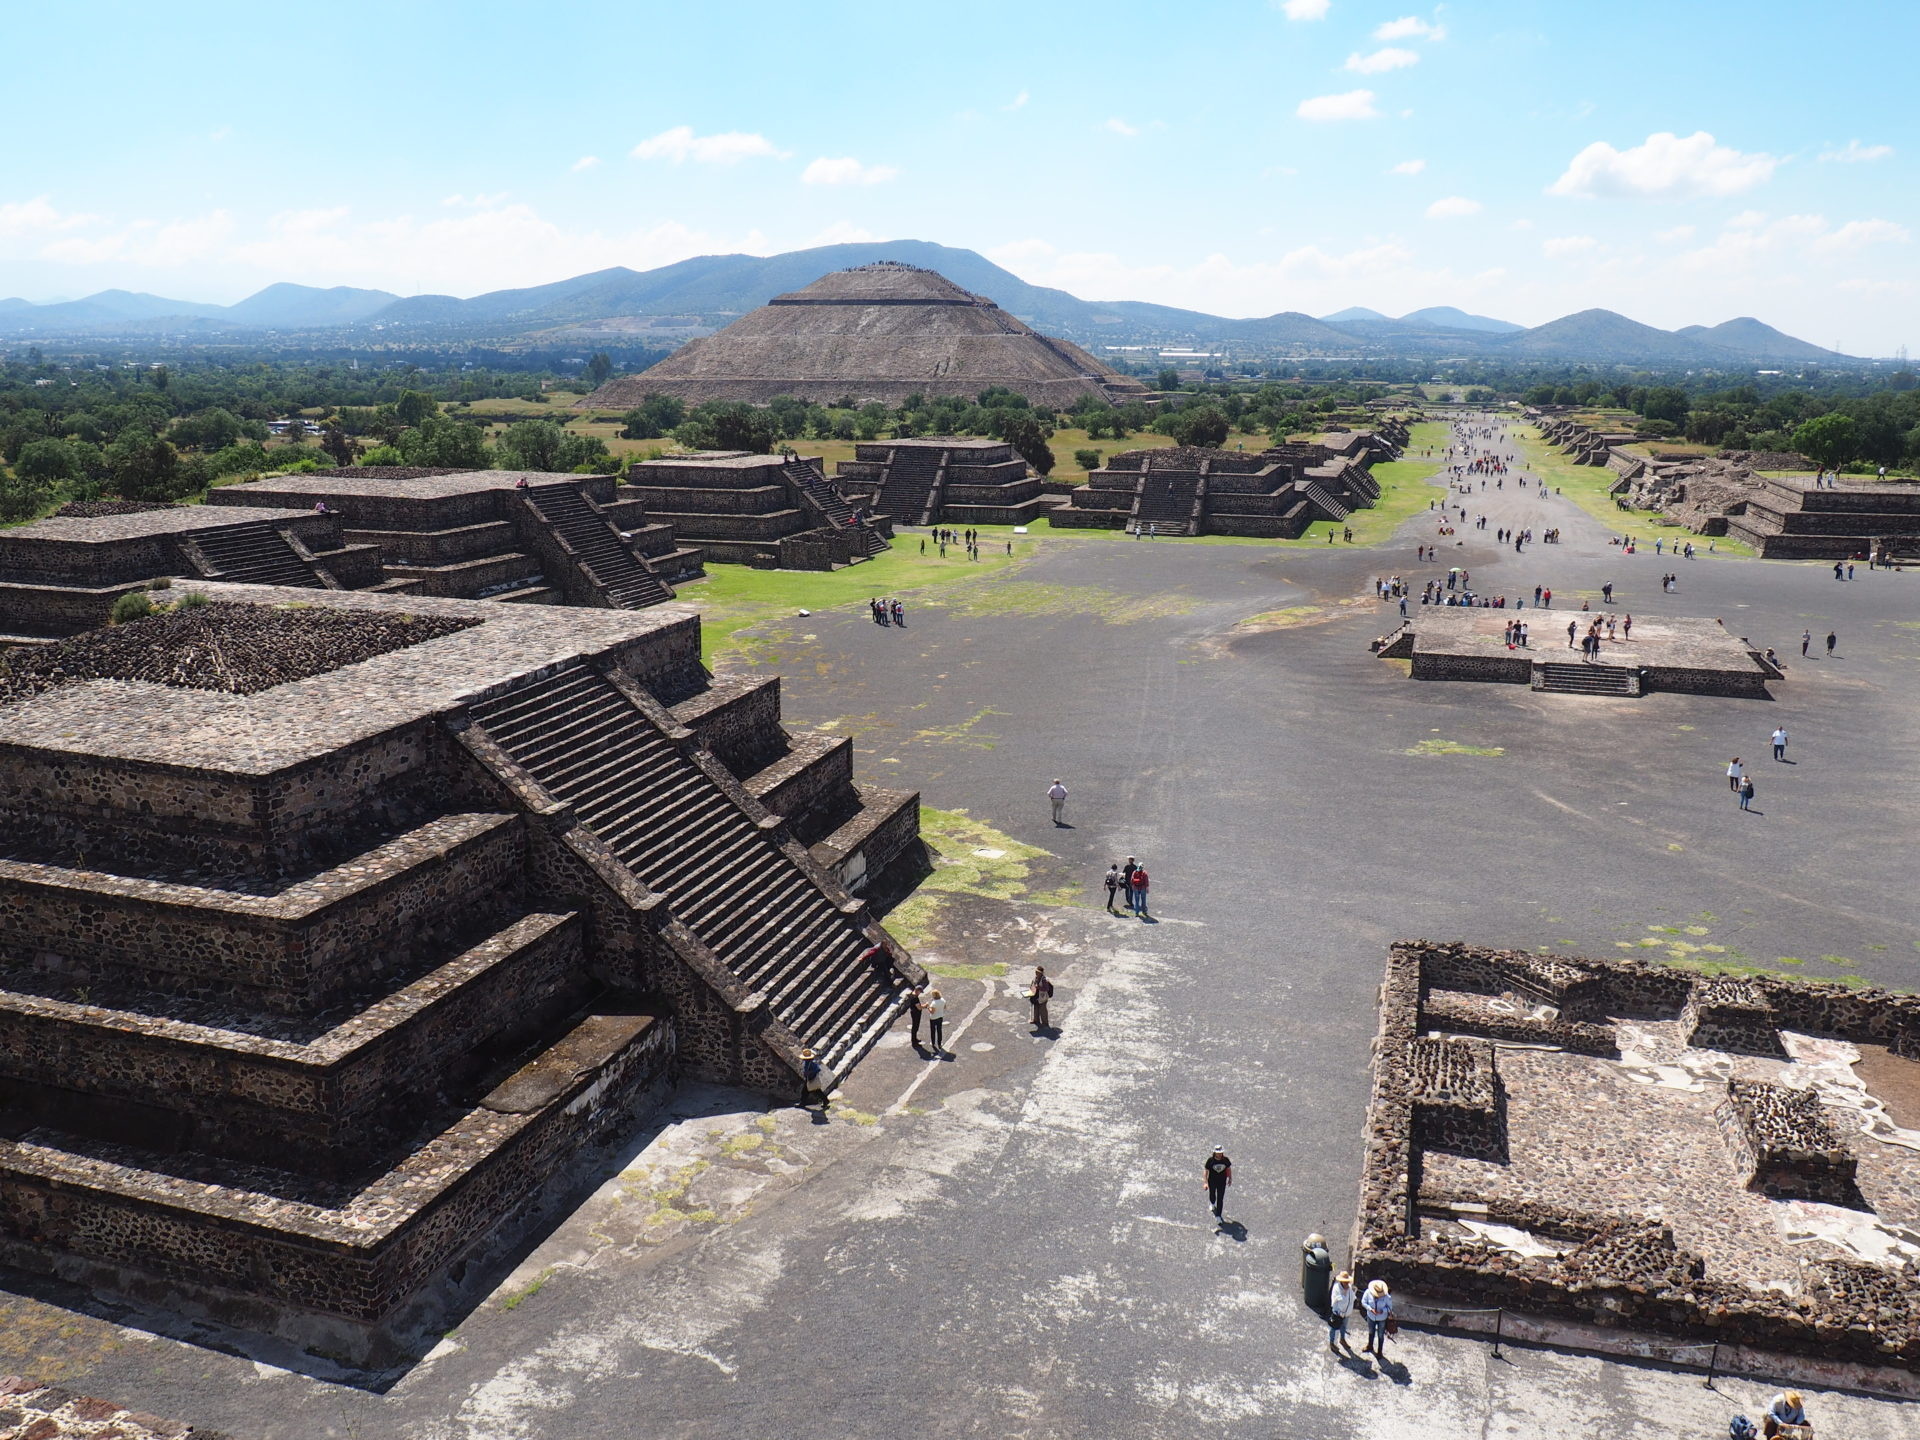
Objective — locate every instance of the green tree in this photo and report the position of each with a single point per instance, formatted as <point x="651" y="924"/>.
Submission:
<point x="1664" y="402"/>
<point x="1830" y="441"/>
<point x="442" y="443"/>
<point x="210" y="429"/>
<point x="1168" y="379"/>
<point x="337" y="443"/>
<point x="654" y="416"/>
<point x="46" y="462"/>
<point x="414" y="407"/>
<point x="1088" y="460"/>
<point x="727" y="425"/>
<point x="599" y="368"/>
<point x="1206" y="426"/>
<point x="544" y="445"/>
<point x="145" y="467"/>
<point x="1029" y="437"/>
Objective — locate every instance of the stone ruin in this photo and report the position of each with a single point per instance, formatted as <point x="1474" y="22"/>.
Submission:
<point x="1438" y="1085"/>
<point x="1271" y="494"/>
<point x="1786" y="1145"/>
<point x="466" y="534"/>
<point x="768" y="511"/>
<point x="944" y="480"/>
<point x="336" y="931"/>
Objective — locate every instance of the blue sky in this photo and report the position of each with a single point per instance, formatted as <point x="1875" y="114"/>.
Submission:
<point x="1682" y="162"/>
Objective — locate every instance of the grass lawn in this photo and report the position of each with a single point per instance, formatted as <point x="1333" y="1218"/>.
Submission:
<point x="1588" y="487"/>
<point x="736" y="597"/>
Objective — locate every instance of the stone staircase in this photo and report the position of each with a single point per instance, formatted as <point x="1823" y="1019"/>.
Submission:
<point x="1324" y="500"/>
<point x="1564" y="679"/>
<point x="253" y="553"/>
<point x="913" y="476"/>
<point x="1166" y="500"/>
<point x="814" y="484"/>
<point x="596" y="545"/>
<point x="726" y="875"/>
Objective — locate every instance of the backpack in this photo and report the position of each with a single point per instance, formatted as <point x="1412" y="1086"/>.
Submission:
<point x="1741" y="1428"/>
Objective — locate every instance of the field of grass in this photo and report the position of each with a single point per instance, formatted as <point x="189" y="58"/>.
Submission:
<point x="1588" y="485"/>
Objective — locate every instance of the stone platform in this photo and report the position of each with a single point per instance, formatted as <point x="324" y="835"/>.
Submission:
<point x="1676" y="654"/>
<point x="1623" y="1171"/>
<point x="336" y="928"/>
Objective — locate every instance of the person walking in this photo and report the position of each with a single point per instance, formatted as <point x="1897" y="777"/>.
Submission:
<point x="1376" y="1307"/>
<point x="936" y="1008"/>
<point x="1734" y="771"/>
<point x="1746" y="792"/>
<point x="916" y="1006"/>
<point x="1057" y="793"/>
<point x="1780" y="743"/>
<point x="1219" y="1173"/>
<point x="1137" y="887"/>
<point x="1806" y="639"/>
<point x="1833" y="639"/>
<point x="1115" y="882"/>
<point x="1041" y="994"/>
<point x="1339" y="1307"/>
<point x="1573" y="629"/>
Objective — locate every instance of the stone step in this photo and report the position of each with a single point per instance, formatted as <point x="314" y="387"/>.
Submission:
<point x="725" y="877"/>
<point x="1585" y="679"/>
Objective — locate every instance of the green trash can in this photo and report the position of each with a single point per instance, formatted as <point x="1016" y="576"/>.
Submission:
<point x="1316" y="1273"/>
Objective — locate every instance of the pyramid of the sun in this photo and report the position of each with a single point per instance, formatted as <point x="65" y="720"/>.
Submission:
<point x="877" y="332"/>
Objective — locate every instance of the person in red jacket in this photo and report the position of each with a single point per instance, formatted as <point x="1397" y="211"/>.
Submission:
<point x="1137" y="889"/>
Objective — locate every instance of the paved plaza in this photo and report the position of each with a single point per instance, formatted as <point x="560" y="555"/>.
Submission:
<point x="1012" y="1240"/>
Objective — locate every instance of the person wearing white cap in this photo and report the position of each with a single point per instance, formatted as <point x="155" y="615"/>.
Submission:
<point x="1219" y="1172"/>
<point x="1057" y="793"/>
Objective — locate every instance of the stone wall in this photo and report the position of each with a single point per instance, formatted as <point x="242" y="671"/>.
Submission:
<point x="1617" y="1272"/>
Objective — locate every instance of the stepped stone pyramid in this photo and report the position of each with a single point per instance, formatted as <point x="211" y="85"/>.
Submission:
<point x="771" y="511"/>
<point x="876" y="332"/>
<point x="335" y="929"/>
<point x="521" y="537"/>
<point x="944" y="479"/>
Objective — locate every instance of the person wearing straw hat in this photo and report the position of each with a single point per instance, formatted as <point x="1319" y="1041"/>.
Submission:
<point x="1339" y="1306"/>
<point x="1376" y="1307"/>
<point x="1787" y="1415"/>
<point x="813" y="1080"/>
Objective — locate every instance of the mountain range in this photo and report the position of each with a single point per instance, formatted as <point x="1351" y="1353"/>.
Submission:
<point x="708" y="291"/>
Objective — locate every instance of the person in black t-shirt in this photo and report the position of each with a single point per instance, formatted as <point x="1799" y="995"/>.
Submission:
<point x="1219" y="1172"/>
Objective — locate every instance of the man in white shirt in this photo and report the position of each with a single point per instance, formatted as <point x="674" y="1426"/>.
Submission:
<point x="1057" y="793"/>
<point x="1780" y="743"/>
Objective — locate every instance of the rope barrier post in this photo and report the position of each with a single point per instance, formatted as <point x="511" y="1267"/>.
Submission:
<point x="1499" y="1323"/>
<point x="1712" y="1361"/>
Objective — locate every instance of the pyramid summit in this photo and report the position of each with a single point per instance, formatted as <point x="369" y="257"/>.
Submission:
<point x="876" y="332"/>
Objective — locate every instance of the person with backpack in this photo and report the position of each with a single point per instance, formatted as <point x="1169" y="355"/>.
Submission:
<point x="814" y="1080"/>
<point x="1040" y="993"/>
<point x="1137" y="887"/>
<point x="1115" y="882"/>
<point x="1746" y="793"/>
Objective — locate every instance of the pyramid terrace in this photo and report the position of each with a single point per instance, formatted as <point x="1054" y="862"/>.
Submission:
<point x="338" y="927"/>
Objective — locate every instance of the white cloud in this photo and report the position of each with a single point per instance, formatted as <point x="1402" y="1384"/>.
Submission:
<point x="1675" y="235"/>
<point x="1303" y="9"/>
<point x="36" y="216"/>
<point x="680" y="145"/>
<point x="225" y="132"/>
<point x="1408" y="167"/>
<point x="475" y="202"/>
<point x="1664" y="167"/>
<point x="1854" y="153"/>
<point x="1856" y="234"/>
<point x="846" y="171"/>
<point x="1521" y="224"/>
<point x="1352" y="105"/>
<point x="585" y="162"/>
<point x="151" y="244"/>
<point x="1121" y="127"/>
<point x="1558" y="245"/>
<point x="1410" y="27"/>
<point x="1381" y="61"/>
<point x="1452" y="207"/>
<point x="1018" y="102"/>
<point x="841" y="232"/>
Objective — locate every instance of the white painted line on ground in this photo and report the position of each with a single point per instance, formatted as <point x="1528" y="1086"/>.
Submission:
<point x="986" y="998"/>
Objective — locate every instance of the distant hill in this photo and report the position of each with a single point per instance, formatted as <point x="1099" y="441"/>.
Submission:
<point x="1757" y="341"/>
<point x="1446" y="317"/>
<point x="710" y="291"/>
<point x="302" y="307"/>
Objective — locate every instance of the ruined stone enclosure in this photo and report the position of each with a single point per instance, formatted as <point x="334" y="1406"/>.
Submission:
<point x="335" y="928"/>
<point x="1640" y="1148"/>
